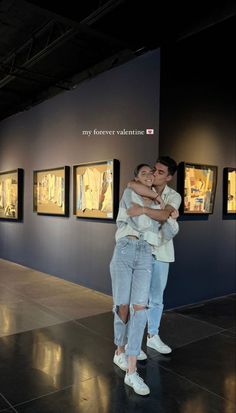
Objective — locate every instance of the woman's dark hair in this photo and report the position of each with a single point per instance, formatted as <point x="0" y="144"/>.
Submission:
<point x="137" y="169"/>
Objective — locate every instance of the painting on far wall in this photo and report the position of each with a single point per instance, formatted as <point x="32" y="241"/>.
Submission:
<point x="229" y="190"/>
<point x="51" y="191"/>
<point x="96" y="189"/>
<point x="11" y="195"/>
<point x="197" y="185"/>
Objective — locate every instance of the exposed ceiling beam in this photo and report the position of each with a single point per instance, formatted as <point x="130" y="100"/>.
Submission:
<point x="39" y="45"/>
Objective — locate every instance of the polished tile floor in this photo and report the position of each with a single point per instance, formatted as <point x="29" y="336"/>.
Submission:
<point x="56" y="349"/>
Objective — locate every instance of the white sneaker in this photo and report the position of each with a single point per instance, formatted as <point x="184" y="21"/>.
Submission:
<point x="121" y="361"/>
<point x="158" y="345"/>
<point x="142" y="356"/>
<point x="135" y="381"/>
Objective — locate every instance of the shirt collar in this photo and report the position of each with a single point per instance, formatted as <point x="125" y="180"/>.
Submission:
<point x="165" y="191"/>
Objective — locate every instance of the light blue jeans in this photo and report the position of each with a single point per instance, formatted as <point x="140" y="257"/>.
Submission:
<point x="131" y="269"/>
<point x="160" y="271"/>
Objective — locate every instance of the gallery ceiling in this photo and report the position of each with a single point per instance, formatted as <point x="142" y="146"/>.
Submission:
<point x="48" y="47"/>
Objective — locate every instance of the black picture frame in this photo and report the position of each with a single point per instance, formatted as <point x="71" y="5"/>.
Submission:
<point x="51" y="191"/>
<point x="11" y="195"/>
<point x="96" y="190"/>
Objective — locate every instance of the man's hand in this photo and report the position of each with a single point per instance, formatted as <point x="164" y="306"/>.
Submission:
<point x="174" y="214"/>
<point x="135" y="210"/>
<point x="159" y="200"/>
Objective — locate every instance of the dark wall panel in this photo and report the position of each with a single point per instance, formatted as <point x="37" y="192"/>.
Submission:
<point x="197" y="121"/>
<point x="197" y="124"/>
<point x="51" y="135"/>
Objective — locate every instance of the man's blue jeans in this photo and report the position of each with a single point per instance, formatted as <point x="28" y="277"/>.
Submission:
<point x="160" y="271"/>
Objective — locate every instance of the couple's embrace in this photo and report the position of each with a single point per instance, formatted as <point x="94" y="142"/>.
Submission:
<point x="139" y="267"/>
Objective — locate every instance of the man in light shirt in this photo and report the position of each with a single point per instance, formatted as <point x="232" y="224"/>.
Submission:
<point x="164" y="171"/>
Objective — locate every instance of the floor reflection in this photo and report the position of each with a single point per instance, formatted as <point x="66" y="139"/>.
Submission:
<point x="195" y="405"/>
<point x="7" y="321"/>
<point x="229" y="390"/>
<point x="91" y="393"/>
<point x="49" y="364"/>
<point x="47" y="357"/>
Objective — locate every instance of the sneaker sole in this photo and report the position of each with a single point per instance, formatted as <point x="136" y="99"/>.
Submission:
<point x="140" y="394"/>
<point x="161" y="352"/>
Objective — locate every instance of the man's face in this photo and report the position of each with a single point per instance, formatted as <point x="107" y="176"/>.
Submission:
<point x="161" y="174"/>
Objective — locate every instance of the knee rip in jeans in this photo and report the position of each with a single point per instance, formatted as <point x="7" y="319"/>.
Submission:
<point x="137" y="307"/>
<point x="122" y="311"/>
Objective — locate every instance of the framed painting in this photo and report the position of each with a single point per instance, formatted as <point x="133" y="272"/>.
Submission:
<point x="197" y="185"/>
<point x="51" y="191"/>
<point x="229" y="190"/>
<point x="11" y="195"/>
<point x="96" y="189"/>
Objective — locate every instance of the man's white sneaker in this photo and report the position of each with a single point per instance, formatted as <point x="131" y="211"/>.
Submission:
<point x="136" y="382"/>
<point x="158" y="345"/>
<point x="142" y="356"/>
<point x="121" y="361"/>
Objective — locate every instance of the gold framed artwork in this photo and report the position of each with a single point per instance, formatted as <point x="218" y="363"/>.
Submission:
<point x="51" y="191"/>
<point x="197" y="185"/>
<point x="229" y="191"/>
<point x="11" y="195"/>
<point x="96" y="189"/>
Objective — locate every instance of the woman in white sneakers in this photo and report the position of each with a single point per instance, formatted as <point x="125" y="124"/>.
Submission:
<point x="131" y="269"/>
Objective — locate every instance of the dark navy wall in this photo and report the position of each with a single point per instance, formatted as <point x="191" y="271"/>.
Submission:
<point x="197" y="124"/>
<point x="50" y="135"/>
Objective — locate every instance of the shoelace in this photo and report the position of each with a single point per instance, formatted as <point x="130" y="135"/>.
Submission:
<point x="139" y="379"/>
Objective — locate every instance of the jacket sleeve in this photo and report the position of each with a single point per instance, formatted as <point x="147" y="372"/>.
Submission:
<point x="169" y="229"/>
<point x="174" y="199"/>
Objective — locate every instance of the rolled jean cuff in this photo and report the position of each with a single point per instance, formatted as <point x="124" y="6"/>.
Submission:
<point x="120" y="341"/>
<point x="153" y="333"/>
<point x="132" y="353"/>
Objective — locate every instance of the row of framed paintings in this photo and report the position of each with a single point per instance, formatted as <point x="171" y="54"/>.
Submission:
<point x="96" y="190"/>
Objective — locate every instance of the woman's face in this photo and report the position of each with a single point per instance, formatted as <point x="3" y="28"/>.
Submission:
<point x="145" y="176"/>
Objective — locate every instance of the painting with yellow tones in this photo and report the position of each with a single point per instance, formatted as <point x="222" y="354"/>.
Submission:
<point x="229" y="191"/>
<point x="51" y="191"/>
<point x="96" y="189"/>
<point x="11" y="195"/>
<point x="197" y="185"/>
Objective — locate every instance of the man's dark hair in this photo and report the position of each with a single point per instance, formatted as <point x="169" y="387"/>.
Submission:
<point x="138" y="167"/>
<point x="169" y="162"/>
